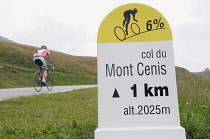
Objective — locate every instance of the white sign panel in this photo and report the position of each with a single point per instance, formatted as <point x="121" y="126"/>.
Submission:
<point x="137" y="94"/>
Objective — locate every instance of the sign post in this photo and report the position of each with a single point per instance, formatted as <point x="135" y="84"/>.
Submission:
<point x="137" y="95"/>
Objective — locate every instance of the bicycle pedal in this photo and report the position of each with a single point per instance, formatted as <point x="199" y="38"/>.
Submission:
<point x="44" y="84"/>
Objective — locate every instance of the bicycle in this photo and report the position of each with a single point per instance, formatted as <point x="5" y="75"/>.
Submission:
<point x="37" y="81"/>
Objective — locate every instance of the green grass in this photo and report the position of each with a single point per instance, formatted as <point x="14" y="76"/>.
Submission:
<point x="63" y="115"/>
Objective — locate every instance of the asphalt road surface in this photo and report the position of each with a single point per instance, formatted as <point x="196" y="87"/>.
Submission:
<point x="17" y="92"/>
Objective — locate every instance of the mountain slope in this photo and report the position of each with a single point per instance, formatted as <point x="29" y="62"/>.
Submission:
<point x="205" y="73"/>
<point x="5" y="39"/>
<point x="19" y="67"/>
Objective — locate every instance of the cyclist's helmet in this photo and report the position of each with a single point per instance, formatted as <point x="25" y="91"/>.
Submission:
<point x="43" y="47"/>
<point x="135" y="10"/>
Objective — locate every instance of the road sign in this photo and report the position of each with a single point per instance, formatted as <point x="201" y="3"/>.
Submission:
<point x="137" y="96"/>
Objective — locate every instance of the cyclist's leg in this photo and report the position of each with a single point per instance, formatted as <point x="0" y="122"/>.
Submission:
<point x="44" y="70"/>
<point x="40" y="61"/>
<point x="44" y="75"/>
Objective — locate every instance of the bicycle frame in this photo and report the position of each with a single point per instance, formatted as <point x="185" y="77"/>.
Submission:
<point x="38" y="84"/>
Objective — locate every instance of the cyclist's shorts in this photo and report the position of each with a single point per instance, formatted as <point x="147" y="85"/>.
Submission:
<point x="40" y="61"/>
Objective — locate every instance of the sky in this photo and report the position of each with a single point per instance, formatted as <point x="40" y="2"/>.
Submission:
<point x="71" y="26"/>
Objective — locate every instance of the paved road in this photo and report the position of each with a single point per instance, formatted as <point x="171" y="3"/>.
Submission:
<point x="17" y="92"/>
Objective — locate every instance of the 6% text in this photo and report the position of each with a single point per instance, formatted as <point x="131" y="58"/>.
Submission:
<point x="154" y="24"/>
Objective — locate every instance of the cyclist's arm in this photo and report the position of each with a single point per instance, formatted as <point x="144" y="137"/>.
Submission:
<point x="50" y="59"/>
<point x="134" y="18"/>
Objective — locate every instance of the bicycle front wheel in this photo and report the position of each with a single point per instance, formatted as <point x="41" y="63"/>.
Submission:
<point x="37" y="81"/>
<point x="49" y="82"/>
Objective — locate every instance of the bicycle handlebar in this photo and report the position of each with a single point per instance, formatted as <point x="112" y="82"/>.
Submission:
<point x="53" y="66"/>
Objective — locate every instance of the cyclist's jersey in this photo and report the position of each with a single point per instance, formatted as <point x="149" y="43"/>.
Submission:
<point x="42" y="53"/>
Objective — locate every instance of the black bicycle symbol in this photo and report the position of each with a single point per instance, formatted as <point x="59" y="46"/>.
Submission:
<point x="121" y="34"/>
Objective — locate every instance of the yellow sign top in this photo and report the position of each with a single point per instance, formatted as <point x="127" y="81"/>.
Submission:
<point x="134" y="23"/>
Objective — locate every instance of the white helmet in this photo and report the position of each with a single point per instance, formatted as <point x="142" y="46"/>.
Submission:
<point x="43" y="47"/>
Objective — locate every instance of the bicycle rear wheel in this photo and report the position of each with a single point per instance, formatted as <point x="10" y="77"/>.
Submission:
<point x="37" y="81"/>
<point x="49" y="82"/>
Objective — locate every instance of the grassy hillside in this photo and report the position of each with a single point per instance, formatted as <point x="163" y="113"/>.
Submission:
<point x="194" y="104"/>
<point x="19" y="68"/>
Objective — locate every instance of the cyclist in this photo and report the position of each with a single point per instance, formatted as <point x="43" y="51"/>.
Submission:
<point x="40" y="61"/>
<point x="127" y="16"/>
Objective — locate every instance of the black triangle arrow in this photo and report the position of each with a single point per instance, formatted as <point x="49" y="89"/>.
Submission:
<point x="115" y="95"/>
